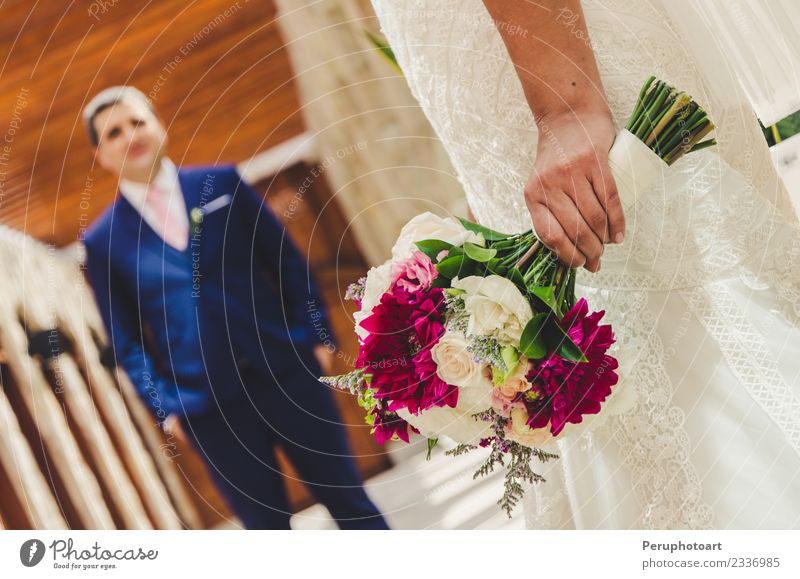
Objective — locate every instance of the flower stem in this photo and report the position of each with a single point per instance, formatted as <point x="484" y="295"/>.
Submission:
<point x="530" y="253"/>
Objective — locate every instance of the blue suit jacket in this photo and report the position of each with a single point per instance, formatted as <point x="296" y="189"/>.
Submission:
<point x="238" y="302"/>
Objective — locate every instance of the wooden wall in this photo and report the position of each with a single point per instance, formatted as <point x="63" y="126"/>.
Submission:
<point x="215" y="69"/>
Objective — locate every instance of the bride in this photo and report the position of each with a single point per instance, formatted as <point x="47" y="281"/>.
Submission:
<point x="699" y="279"/>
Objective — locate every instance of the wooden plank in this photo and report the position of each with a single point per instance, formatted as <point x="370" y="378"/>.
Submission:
<point x="167" y="468"/>
<point x="107" y="397"/>
<point x="40" y="316"/>
<point x="28" y="487"/>
<point x="62" y="449"/>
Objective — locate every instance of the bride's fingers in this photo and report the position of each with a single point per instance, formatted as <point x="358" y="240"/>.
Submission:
<point x="552" y="235"/>
<point x="605" y="190"/>
<point x="577" y="230"/>
<point x="593" y="213"/>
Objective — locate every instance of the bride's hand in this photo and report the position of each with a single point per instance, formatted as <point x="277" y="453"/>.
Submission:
<point x="571" y="194"/>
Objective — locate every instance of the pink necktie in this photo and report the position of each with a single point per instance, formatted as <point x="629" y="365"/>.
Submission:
<point x="173" y="230"/>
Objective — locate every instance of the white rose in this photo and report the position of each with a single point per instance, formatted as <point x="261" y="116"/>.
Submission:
<point x="446" y="421"/>
<point x="475" y="398"/>
<point x="378" y="281"/>
<point x="377" y="284"/>
<point x="495" y="306"/>
<point x="430" y="226"/>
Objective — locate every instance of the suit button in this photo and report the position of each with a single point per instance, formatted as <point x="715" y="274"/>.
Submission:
<point x="243" y="364"/>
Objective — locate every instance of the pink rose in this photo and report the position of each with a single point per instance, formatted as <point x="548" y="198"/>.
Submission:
<point x="414" y="273"/>
<point x="503" y="404"/>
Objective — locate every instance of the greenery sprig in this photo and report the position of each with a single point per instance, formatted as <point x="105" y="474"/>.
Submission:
<point x="501" y="448"/>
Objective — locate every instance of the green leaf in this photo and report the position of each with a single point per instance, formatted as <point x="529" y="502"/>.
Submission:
<point x="547" y="295"/>
<point x="493" y="265"/>
<point x="533" y="342"/>
<point x="478" y="253"/>
<point x="441" y="282"/>
<point x="384" y="48"/>
<point x="459" y="265"/>
<point x="560" y="343"/>
<point x="515" y="275"/>
<point x="431" y="444"/>
<point x="487" y="233"/>
<point x="456" y="250"/>
<point x="432" y="247"/>
<point x="510" y="358"/>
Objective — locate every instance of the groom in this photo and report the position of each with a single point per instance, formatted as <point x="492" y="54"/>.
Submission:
<point x="195" y="256"/>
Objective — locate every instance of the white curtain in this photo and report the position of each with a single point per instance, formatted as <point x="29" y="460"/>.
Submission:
<point x="748" y="48"/>
<point x="384" y="162"/>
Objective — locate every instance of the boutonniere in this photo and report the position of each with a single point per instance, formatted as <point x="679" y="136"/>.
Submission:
<point x="196" y="218"/>
<point x="197" y="213"/>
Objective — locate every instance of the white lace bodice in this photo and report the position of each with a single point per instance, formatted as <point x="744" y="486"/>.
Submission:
<point x="720" y="214"/>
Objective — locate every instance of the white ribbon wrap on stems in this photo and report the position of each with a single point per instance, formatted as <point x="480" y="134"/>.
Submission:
<point x="635" y="167"/>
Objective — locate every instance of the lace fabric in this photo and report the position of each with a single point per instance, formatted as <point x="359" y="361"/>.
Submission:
<point x="720" y="217"/>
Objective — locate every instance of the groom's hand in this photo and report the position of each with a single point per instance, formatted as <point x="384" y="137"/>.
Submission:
<point x="571" y="194"/>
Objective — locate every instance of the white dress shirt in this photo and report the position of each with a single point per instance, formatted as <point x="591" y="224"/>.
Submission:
<point x="167" y="180"/>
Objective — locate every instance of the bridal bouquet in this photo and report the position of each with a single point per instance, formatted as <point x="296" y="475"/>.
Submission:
<point x="478" y="335"/>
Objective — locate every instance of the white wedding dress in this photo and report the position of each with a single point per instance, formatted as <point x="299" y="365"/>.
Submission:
<point x="703" y="295"/>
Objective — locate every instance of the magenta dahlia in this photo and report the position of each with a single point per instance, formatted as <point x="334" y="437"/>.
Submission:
<point x="563" y="391"/>
<point x="403" y="328"/>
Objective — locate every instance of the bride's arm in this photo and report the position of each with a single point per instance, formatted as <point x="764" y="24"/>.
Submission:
<point x="571" y="194"/>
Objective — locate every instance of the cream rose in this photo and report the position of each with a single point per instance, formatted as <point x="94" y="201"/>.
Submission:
<point x="495" y="306"/>
<point x="522" y="433"/>
<point x="430" y="226"/>
<point x="517" y="381"/>
<point x="450" y="422"/>
<point x="456" y="366"/>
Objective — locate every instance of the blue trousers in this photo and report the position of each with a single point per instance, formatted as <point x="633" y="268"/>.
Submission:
<point x="237" y="438"/>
